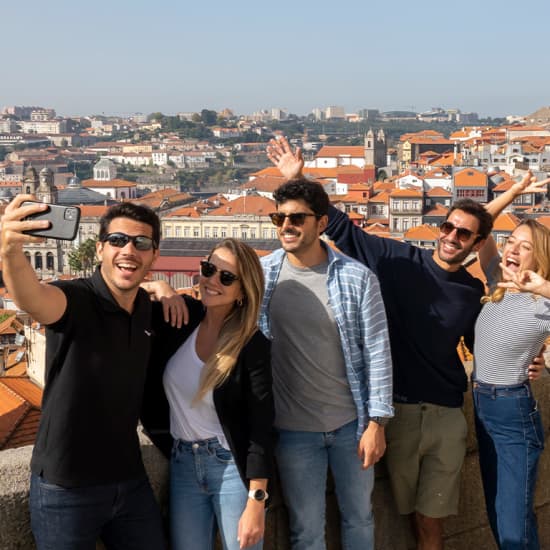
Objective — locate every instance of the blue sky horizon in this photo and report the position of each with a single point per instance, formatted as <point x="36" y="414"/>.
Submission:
<point x="131" y="56"/>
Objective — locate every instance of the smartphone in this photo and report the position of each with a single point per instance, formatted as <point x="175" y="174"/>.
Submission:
<point x="63" y="221"/>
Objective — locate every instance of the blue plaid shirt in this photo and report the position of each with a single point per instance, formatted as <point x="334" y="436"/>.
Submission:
<point x="356" y="302"/>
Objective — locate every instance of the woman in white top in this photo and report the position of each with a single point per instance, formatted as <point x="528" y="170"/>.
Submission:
<point x="216" y="373"/>
<point x="510" y="330"/>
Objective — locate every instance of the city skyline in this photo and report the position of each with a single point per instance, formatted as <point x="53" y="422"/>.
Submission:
<point x="129" y="57"/>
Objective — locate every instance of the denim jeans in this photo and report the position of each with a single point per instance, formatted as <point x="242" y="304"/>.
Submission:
<point x="303" y="459"/>
<point x="124" y="515"/>
<point x="205" y="490"/>
<point x="511" y="440"/>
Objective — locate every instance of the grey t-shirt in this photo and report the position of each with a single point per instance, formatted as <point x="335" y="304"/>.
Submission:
<point x="310" y="385"/>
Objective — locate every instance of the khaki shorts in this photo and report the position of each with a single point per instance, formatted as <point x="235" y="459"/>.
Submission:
<point x="426" y="445"/>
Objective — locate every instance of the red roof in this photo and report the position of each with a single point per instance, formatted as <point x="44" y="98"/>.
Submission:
<point x="20" y="401"/>
<point x="423" y="232"/>
<point x="505" y="222"/>
<point x="470" y="178"/>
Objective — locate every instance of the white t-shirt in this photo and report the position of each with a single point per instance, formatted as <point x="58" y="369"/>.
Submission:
<point x="181" y="382"/>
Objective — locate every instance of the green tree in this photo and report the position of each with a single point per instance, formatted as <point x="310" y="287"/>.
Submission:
<point x="209" y="117"/>
<point x="155" y="116"/>
<point x="82" y="258"/>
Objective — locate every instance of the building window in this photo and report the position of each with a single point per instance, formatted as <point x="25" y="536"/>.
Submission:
<point x="186" y="231"/>
<point x="273" y="233"/>
<point x="178" y="231"/>
<point x="252" y="233"/>
<point x="235" y="232"/>
<point x="206" y="231"/>
<point x="214" y="232"/>
<point x="50" y="261"/>
<point x="38" y="260"/>
<point x="223" y="232"/>
<point x="265" y="233"/>
<point x="168" y="230"/>
<point x="195" y="232"/>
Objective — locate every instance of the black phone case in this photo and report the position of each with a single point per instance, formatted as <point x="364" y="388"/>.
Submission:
<point x="63" y="220"/>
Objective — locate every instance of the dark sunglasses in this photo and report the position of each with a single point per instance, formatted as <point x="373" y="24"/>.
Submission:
<point x="297" y="218"/>
<point x="462" y="233"/>
<point x="208" y="269"/>
<point x="120" y="240"/>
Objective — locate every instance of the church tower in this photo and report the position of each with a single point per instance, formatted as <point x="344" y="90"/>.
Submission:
<point x="47" y="191"/>
<point x="369" y="147"/>
<point x="375" y="148"/>
<point x="30" y="181"/>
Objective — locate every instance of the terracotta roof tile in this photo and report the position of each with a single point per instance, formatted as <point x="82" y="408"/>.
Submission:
<point x="266" y="183"/>
<point x="423" y="232"/>
<point x="545" y="220"/>
<point x="505" y="222"/>
<point x="470" y="178"/>
<point x="20" y="402"/>
<point x="383" y="196"/>
<point x="406" y="193"/>
<point x="185" y="211"/>
<point x="439" y="192"/>
<point x="92" y="211"/>
<point x="437" y="210"/>
<point x="258" y="206"/>
<point x="338" y="150"/>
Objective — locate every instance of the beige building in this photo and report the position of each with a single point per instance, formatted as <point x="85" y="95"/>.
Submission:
<point x="243" y="218"/>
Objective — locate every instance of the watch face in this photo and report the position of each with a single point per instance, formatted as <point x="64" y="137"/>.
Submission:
<point x="259" y="494"/>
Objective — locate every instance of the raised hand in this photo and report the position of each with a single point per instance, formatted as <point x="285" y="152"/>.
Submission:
<point x="289" y="162"/>
<point x="525" y="280"/>
<point x="529" y="184"/>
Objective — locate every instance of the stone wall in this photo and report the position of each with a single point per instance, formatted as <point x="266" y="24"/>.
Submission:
<point x="467" y="530"/>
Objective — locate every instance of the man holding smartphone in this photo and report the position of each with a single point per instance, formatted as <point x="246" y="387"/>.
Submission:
<point x="88" y="480"/>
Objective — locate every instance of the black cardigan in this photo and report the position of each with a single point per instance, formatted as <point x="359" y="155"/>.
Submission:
<point x="244" y="402"/>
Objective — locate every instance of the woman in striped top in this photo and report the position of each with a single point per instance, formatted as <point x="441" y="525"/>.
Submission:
<point x="510" y="330"/>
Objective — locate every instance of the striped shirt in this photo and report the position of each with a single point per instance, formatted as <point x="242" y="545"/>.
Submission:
<point x="508" y="336"/>
<point x="356" y="302"/>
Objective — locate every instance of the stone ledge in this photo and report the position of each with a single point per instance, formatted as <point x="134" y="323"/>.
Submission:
<point x="467" y="530"/>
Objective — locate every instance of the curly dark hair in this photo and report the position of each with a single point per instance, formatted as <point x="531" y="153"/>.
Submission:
<point x="310" y="192"/>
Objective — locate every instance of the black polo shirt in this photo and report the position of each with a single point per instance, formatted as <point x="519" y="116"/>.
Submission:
<point x="96" y="360"/>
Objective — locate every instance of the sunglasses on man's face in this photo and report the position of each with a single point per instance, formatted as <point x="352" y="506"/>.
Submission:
<point x="462" y="233"/>
<point x="208" y="269"/>
<point x="297" y="218"/>
<point x="120" y="240"/>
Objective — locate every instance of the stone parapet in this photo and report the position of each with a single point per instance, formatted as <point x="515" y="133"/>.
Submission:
<point x="469" y="529"/>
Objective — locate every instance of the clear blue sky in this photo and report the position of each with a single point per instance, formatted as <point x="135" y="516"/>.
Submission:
<point x="125" y="56"/>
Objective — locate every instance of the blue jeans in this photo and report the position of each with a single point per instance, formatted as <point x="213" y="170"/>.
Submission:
<point x="124" y="515"/>
<point x="303" y="459"/>
<point x="511" y="439"/>
<point x="205" y="489"/>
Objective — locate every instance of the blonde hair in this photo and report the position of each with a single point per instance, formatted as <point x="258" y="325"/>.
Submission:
<point x="241" y="322"/>
<point x="540" y="235"/>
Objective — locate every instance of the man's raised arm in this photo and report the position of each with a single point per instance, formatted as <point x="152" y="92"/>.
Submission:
<point x="528" y="184"/>
<point x="45" y="303"/>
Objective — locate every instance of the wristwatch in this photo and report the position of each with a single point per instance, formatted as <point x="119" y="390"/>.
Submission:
<point x="258" y="494"/>
<point x="380" y="420"/>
